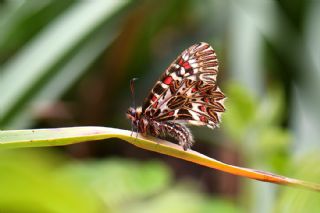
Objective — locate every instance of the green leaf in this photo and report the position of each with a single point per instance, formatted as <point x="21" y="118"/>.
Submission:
<point x="51" y="183"/>
<point x="300" y="200"/>
<point x="71" y="135"/>
<point x="240" y="113"/>
<point x="133" y="181"/>
<point x="271" y="108"/>
<point x="55" y="59"/>
<point x="29" y="183"/>
<point x="20" y="21"/>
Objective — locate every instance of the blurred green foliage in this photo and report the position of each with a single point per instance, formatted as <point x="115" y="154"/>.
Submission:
<point x="68" y="63"/>
<point x="44" y="181"/>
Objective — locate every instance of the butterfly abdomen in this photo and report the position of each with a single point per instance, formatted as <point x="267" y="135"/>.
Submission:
<point x="177" y="131"/>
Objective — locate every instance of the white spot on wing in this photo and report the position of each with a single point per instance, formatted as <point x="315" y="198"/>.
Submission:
<point x="192" y="61"/>
<point x="165" y="86"/>
<point x="182" y="71"/>
<point x="185" y="55"/>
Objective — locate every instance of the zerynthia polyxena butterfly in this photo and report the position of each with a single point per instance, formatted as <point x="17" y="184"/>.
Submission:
<point x="187" y="93"/>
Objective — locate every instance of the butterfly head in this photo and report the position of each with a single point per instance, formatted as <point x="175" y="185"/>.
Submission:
<point x="131" y="114"/>
<point x="134" y="114"/>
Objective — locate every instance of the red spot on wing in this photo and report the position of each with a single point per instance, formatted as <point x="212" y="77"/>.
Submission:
<point x="155" y="105"/>
<point x="203" y="118"/>
<point x="206" y="100"/>
<point x="154" y="98"/>
<point x="202" y="108"/>
<point x="194" y="90"/>
<point x="180" y="62"/>
<point x="167" y="80"/>
<point x="186" y="65"/>
<point x="203" y="93"/>
<point x="171" y="113"/>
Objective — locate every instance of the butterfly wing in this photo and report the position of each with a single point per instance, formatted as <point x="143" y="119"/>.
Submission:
<point x="187" y="90"/>
<point x="200" y="104"/>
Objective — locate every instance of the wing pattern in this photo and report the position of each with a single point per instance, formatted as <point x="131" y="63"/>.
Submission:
<point x="187" y="91"/>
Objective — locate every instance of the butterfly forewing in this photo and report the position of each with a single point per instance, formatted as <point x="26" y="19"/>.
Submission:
<point x="187" y="91"/>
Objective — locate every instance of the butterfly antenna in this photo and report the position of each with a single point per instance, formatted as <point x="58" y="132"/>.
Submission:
<point x="133" y="99"/>
<point x="132" y="92"/>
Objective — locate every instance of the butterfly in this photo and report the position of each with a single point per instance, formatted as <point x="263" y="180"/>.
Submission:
<point x="186" y="93"/>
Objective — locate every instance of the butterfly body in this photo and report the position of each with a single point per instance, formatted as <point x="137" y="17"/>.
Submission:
<point x="187" y="93"/>
<point x="148" y="126"/>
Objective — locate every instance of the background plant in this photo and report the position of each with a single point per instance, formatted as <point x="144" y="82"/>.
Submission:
<point x="68" y="63"/>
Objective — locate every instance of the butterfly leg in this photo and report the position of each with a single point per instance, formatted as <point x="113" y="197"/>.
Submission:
<point x="134" y="128"/>
<point x="131" y="129"/>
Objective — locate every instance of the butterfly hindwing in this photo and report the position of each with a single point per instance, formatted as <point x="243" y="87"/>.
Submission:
<point x="197" y="106"/>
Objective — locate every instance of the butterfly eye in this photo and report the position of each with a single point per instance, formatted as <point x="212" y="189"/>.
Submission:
<point x="132" y="112"/>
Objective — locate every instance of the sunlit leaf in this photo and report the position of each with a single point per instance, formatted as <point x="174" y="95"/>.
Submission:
<point x="71" y="135"/>
<point x="49" y="63"/>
